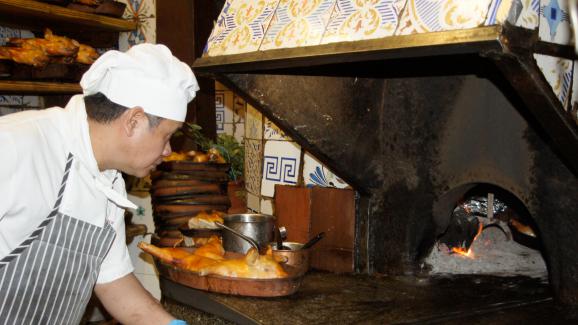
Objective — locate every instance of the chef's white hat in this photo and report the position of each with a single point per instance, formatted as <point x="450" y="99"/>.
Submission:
<point x="147" y="75"/>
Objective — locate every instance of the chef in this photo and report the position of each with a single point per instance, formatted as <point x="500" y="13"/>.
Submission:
<point x="62" y="195"/>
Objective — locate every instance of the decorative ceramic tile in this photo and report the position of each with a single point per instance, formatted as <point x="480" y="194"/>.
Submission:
<point x="281" y="163"/>
<point x="226" y="128"/>
<point x="558" y="73"/>
<point x="253" y="163"/>
<point x="522" y="13"/>
<point x="239" y="131"/>
<point x="267" y="206"/>
<point x="273" y="132"/>
<point x="357" y="20"/>
<point x="422" y="16"/>
<point x="239" y="109"/>
<point x="145" y="33"/>
<point x="21" y="102"/>
<point x="253" y="123"/>
<point x="253" y="202"/>
<point x="139" y="8"/>
<point x="555" y="21"/>
<point x="241" y="27"/>
<point x="316" y="174"/>
<point x="298" y="23"/>
<point x="6" y="33"/>
<point x="574" y="99"/>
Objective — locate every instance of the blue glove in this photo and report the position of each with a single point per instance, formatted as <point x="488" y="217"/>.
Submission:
<point x="178" y="322"/>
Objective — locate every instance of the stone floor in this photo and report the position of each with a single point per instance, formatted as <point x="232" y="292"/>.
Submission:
<point x="325" y="298"/>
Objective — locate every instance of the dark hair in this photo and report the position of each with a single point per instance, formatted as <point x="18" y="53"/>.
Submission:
<point x="102" y="110"/>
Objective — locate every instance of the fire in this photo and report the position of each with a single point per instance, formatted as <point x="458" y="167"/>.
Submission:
<point x="468" y="252"/>
<point x="464" y="252"/>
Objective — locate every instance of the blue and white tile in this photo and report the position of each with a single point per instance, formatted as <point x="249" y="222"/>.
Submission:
<point x="521" y="13"/>
<point x="316" y="174"/>
<point x="558" y="73"/>
<point x="139" y="8"/>
<point x="21" y="102"/>
<point x="358" y="20"/>
<point x="555" y="22"/>
<point x="422" y="16"/>
<point x="241" y="27"/>
<point x="145" y="33"/>
<point x="272" y="132"/>
<point x="253" y="165"/>
<point x="281" y="163"/>
<point x="267" y="206"/>
<point x="253" y="123"/>
<point x="253" y="202"/>
<point x="574" y="99"/>
<point x="298" y="23"/>
<point x="7" y="32"/>
<point x="226" y="128"/>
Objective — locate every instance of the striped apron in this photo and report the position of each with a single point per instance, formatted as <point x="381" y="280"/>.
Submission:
<point x="50" y="277"/>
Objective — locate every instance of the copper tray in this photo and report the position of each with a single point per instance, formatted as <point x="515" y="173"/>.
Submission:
<point x="233" y="286"/>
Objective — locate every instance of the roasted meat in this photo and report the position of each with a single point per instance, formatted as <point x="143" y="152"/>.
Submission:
<point x="209" y="259"/>
<point x="86" y="54"/>
<point x="204" y="220"/>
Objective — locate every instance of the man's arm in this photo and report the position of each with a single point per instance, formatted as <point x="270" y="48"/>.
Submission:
<point x="129" y="303"/>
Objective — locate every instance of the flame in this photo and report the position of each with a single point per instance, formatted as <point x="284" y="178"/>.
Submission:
<point x="468" y="252"/>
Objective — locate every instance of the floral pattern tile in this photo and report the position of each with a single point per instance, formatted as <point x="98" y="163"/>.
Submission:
<point x="522" y="13"/>
<point x="253" y="163"/>
<point x="281" y="163"/>
<point x="240" y="27"/>
<point x="298" y="23"/>
<point x="253" y="123"/>
<point x="422" y="16"/>
<point x="139" y="8"/>
<point x="357" y="20"/>
<point x="316" y="174"/>
<point x="555" y="22"/>
<point x="273" y="132"/>
<point x="558" y="73"/>
<point x="145" y="12"/>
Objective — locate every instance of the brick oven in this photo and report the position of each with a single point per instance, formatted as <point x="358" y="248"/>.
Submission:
<point x="416" y="122"/>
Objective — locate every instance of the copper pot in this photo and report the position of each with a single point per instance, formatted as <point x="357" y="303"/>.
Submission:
<point x="293" y="255"/>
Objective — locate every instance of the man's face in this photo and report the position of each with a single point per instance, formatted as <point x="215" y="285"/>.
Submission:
<point x="148" y="146"/>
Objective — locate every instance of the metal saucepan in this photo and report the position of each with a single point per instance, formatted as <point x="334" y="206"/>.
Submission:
<point x="258" y="227"/>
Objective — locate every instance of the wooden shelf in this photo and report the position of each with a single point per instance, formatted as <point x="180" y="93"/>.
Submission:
<point x="9" y="9"/>
<point x="38" y="88"/>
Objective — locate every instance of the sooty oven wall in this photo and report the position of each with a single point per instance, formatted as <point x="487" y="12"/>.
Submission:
<point x="413" y="144"/>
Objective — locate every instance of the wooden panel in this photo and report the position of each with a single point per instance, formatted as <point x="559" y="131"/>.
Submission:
<point x="333" y="212"/>
<point x="306" y="212"/>
<point x="28" y="87"/>
<point x="292" y="209"/>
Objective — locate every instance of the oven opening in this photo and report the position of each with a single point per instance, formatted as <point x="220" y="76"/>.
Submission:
<point x="488" y="231"/>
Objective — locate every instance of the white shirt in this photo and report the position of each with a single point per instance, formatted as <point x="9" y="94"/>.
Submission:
<point x="34" y="146"/>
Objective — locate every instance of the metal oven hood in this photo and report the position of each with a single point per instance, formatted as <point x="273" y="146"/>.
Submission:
<point x="413" y="122"/>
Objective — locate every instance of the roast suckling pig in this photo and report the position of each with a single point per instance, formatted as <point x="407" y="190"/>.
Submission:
<point x="209" y="259"/>
<point x="52" y="48"/>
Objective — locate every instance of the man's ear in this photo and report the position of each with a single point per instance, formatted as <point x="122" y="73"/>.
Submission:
<point x="131" y="119"/>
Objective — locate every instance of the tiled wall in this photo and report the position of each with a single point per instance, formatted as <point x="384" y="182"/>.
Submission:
<point x="271" y="157"/>
<point x="246" y="26"/>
